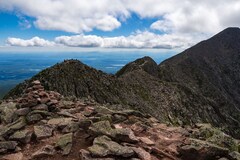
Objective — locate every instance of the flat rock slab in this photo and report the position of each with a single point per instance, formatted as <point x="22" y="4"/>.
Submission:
<point x="45" y="151"/>
<point x="43" y="131"/>
<point x="104" y="146"/>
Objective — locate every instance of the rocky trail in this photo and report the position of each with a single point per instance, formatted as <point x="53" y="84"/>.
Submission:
<point x="45" y="125"/>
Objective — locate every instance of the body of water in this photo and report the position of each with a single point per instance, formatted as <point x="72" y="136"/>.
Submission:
<point x="17" y="67"/>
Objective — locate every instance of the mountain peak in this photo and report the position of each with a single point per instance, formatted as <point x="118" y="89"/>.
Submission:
<point x="146" y="64"/>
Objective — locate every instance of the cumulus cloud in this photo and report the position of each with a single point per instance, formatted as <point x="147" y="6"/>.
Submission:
<point x="139" y="39"/>
<point x="205" y="16"/>
<point x="34" y="42"/>
<point x="182" y="22"/>
<point x="71" y="15"/>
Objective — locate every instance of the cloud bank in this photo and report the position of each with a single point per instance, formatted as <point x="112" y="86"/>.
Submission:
<point x="139" y="39"/>
<point x="207" y="16"/>
<point x="181" y="23"/>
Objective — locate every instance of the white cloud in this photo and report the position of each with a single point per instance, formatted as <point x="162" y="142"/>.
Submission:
<point x="70" y="15"/>
<point x="182" y="22"/>
<point x="139" y="39"/>
<point x="34" y="42"/>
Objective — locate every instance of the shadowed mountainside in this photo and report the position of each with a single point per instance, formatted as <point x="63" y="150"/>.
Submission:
<point x="200" y="84"/>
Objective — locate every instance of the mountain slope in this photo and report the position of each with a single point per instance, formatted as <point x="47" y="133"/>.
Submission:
<point x="212" y="70"/>
<point x="199" y="85"/>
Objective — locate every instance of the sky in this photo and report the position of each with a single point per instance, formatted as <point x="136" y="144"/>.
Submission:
<point x="132" y="24"/>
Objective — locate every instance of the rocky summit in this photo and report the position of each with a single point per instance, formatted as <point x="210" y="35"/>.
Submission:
<point x="199" y="85"/>
<point x="46" y="125"/>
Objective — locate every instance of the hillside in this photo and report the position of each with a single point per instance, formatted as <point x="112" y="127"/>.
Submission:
<point x="200" y="84"/>
<point x="42" y="125"/>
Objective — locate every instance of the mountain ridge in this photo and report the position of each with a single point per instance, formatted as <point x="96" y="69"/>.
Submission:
<point x="198" y="85"/>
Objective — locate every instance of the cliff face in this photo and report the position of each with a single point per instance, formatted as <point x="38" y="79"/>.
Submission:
<point x="199" y="85"/>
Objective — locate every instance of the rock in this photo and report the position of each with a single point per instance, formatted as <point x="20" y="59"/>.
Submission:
<point x="14" y="156"/>
<point x="146" y="141"/>
<point x="32" y="118"/>
<point x="22" y="111"/>
<point x="37" y="82"/>
<point x="44" y="152"/>
<point x="124" y="135"/>
<point x="85" y="155"/>
<point x="10" y="128"/>
<point x="104" y="146"/>
<point x="59" y="122"/>
<point x="66" y="114"/>
<point x="7" y="146"/>
<point x="103" y="110"/>
<point x="118" y="118"/>
<point x="42" y="107"/>
<point x="141" y="153"/>
<point x="198" y="149"/>
<point x="65" y="143"/>
<point x="104" y="128"/>
<point x="101" y="128"/>
<point x="23" y="136"/>
<point x="234" y="155"/>
<point x="43" y="131"/>
<point x="7" y="112"/>
<point x="85" y="123"/>
<point x="71" y="127"/>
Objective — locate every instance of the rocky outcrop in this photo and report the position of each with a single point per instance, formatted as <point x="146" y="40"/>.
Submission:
<point x="86" y="130"/>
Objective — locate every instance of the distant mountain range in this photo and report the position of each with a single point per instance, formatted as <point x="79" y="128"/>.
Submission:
<point x="201" y="84"/>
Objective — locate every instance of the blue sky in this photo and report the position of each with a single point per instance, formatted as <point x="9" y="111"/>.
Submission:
<point x="141" y="24"/>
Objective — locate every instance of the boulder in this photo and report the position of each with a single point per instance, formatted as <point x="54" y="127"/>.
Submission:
<point x="65" y="143"/>
<point x="201" y="150"/>
<point x="42" y="107"/>
<point x="104" y="146"/>
<point x="71" y="127"/>
<point x="101" y="128"/>
<point x="124" y="135"/>
<point x="59" y="122"/>
<point x="33" y="118"/>
<point x="7" y="146"/>
<point x="22" y="111"/>
<point x="120" y="134"/>
<point x="43" y="131"/>
<point x="44" y="152"/>
<point x="11" y="128"/>
<point x="7" y="112"/>
<point x="86" y="155"/>
<point x="23" y="136"/>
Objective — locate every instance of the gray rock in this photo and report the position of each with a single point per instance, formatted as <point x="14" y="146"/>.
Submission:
<point x="104" y="128"/>
<point x="11" y="128"/>
<point x="44" y="152"/>
<point x="7" y="112"/>
<point x="234" y="155"/>
<point x="65" y="143"/>
<point x="23" y="136"/>
<point x="202" y="150"/>
<point x="71" y="127"/>
<point x="59" y="122"/>
<point x="43" y="131"/>
<point x="41" y="107"/>
<point x="104" y="146"/>
<point x="7" y="146"/>
<point x="22" y="111"/>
